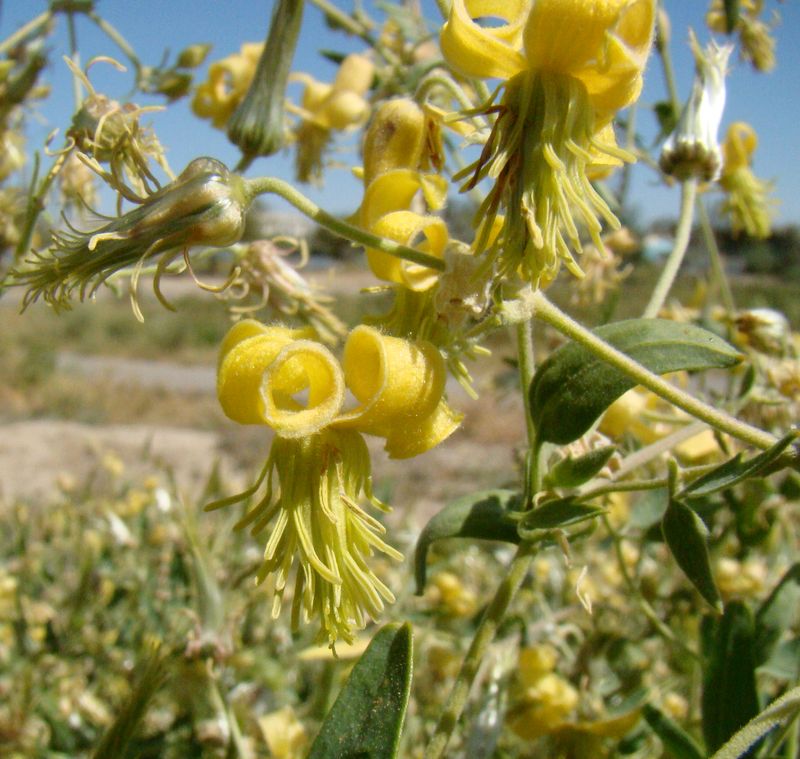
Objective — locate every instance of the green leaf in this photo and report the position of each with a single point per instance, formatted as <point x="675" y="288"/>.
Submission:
<point x="731" y="15"/>
<point x="686" y="535"/>
<point x="782" y="710"/>
<point x="730" y="698"/>
<point x="677" y="742"/>
<point x="777" y="613"/>
<point x="366" y="719"/>
<point x="572" y="472"/>
<point x="573" y="386"/>
<point x="483" y="515"/>
<point x="734" y="471"/>
<point x="557" y="513"/>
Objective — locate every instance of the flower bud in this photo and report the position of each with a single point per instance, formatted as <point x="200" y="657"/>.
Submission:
<point x="395" y="139"/>
<point x="193" y="56"/>
<point x="205" y="205"/>
<point x="257" y="124"/>
<point x="692" y="150"/>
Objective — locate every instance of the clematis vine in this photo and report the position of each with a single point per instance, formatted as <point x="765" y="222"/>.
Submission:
<point x="285" y="379"/>
<point x="326" y="107"/>
<point x="747" y="202"/>
<point x="568" y="66"/>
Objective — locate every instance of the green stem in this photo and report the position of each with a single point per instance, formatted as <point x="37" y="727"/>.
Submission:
<point x="717" y="267"/>
<point x="444" y="8"/>
<point x="32" y="28"/>
<point x="262" y="185"/>
<point x="439" y="79"/>
<point x="549" y="313"/>
<point x="662" y="45"/>
<point x="647" y="609"/>
<point x="525" y="357"/>
<point x="484" y="635"/>
<point x="675" y="259"/>
<point x="123" y="44"/>
<point x="75" y="56"/>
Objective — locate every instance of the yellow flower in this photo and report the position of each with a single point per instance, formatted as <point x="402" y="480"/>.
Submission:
<point x="396" y="147"/>
<point x="568" y="66"/>
<point x="227" y="84"/>
<point x="747" y="201"/>
<point x="284" y="733"/>
<point x="757" y="45"/>
<point x="325" y="107"/>
<point x="287" y="380"/>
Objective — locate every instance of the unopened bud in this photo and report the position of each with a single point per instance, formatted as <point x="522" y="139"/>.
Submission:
<point x="692" y="150"/>
<point x="395" y="138"/>
<point x="193" y="56"/>
<point x="257" y="124"/>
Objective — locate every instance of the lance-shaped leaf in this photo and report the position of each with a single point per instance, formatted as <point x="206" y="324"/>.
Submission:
<point x="484" y="515"/>
<point x="731" y="14"/>
<point x="777" y="613"/>
<point x="572" y="472"/>
<point x="734" y="471"/>
<point x="730" y="698"/>
<point x="555" y="514"/>
<point x="686" y="535"/>
<point x="366" y="719"/>
<point x="573" y="386"/>
<point x="678" y="743"/>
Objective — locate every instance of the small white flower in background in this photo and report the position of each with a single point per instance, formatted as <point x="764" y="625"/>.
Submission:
<point x="692" y="150"/>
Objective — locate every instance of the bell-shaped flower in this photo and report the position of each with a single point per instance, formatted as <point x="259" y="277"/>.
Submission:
<point x="747" y="198"/>
<point x="287" y="380"/>
<point x="569" y="66"/>
<point x="397" y="146"/>
<point x="227" y="84"/>
<point x="326" y="107"/>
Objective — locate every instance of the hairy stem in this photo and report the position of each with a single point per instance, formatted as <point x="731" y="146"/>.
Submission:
<point x="675" y="258"/>
<point x="551" y="314"/>
<point x="484" y="635"/>
<point x="263" y="185"/>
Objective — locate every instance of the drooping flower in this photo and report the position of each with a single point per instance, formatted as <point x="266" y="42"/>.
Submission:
<point x="568" y="66"/>
<point x="205" y="205"/>
<point x="326" y="107"/>
<point x="398" y="190"/>
<point x="285" y="379"/>
<point x="747" y="198"/>
<point x="692" y="150"/>
<point x="756" y="43"/>
<point x="227" y="84"/>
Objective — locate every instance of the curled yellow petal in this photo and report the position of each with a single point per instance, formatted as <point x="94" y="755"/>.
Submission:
<point x="355" y="74"/>
<point x="302" y="389"/>
<point x="739" y="146"/>
<point x="247" y="350"/>
<point x="407" y="227"/>
<point x="603" y="44"/>
<point x="421" y="435"/>
<point x="399" y="386"/>
<point x="395" y="138"/>
<point x="475" y="50"/>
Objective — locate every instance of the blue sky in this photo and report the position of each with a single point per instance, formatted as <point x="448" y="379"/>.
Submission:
<point x="769" y="102"/>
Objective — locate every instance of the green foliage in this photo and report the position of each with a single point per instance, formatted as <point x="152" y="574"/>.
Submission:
<point x="573" y="386"/>
<point x="366" y="720"/>
<point x="730" y="697"/>
<point x="678" y="743"/>
<point x="480" y="516"/>
<point x="571" y="472"/>
<point x="686" y="535"/>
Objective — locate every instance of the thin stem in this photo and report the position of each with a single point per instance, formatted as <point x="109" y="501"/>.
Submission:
<point x="123" y="44"/>
<point x="262" y="185"/>
<point x="525" y="357"/>
<point x="717" y="267"/>
<point x="75" y="57"/>
<point x="551" y="314"/>
<point x="33" y="27"/>
<point x="647" y="609"/>
<point x="675" y="259"/>
<point x="484" y="635"/>
<point x="662" y="45"/>
<point x="444" y="8"/>
<point x="440" y="79"/>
